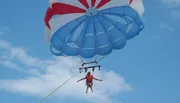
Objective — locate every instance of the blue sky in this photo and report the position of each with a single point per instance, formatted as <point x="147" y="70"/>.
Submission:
<point x="149" y="63"/>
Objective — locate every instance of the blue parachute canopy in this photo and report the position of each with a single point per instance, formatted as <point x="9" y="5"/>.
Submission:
<point x="97" y="32"/>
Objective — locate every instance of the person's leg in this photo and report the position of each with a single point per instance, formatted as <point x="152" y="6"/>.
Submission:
<point x="87" y="87"/>
<point x="91" y="87"/>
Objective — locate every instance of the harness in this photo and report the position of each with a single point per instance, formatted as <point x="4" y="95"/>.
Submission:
<point x="89" y="78"/>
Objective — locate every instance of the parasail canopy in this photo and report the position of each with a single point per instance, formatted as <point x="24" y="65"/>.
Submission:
<point x="88" y="28"/>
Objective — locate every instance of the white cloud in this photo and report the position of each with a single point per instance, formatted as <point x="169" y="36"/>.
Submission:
<point x="166" y="26"/>
<point x="46" y="75"/>
<point x="175" y="15"/>
<point x="4" y="30"/>
<point x="4" y="44"/>
<point x="170" y="3"/>
<point x="17" y="57"/>
<point x="56" y="75"/>
<point x="24" y="58"/>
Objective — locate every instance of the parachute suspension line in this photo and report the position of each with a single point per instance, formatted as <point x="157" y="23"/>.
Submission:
<point x="79" y="51"/>
<point x="101" y="59"/>
<point x="81" y="59"/>
<point x="96" y="58"/>
<point x="56" y="89"/>
<point x="93" y="73"/>
<point x="71" y="69"/>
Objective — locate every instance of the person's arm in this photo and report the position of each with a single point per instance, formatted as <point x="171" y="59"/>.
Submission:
<point x="97" y="79"/>
<point x="81" y="79"/>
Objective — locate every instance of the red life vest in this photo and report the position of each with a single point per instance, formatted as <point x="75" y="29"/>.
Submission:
<point x="89" y="78"/>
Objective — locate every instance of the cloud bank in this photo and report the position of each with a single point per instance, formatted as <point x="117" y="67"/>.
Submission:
<point x="171" y="3"/>
<point x="166" y="26"/>
<point x="43" y="76"/>
<point x="4" y="30"/>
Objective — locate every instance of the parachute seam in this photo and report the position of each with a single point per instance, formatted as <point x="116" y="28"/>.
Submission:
<point x="134" y="22"/>
<point x="103" y="16"/>
<point x="105" y="31"/>
<point x="69" y="34"/>
<point x="114" y="25"/>
<point x="94" y="32"/>
<point x="83" y="33"/>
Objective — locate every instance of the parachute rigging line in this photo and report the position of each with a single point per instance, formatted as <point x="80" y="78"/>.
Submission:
<point x="56" y="89"/>
<point x="100" y="59"/>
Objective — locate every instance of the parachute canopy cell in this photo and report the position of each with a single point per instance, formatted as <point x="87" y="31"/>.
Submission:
<point x="92" y="27"/>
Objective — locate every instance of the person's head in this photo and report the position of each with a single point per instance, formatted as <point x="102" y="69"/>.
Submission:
<point x="89" y="73"/>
